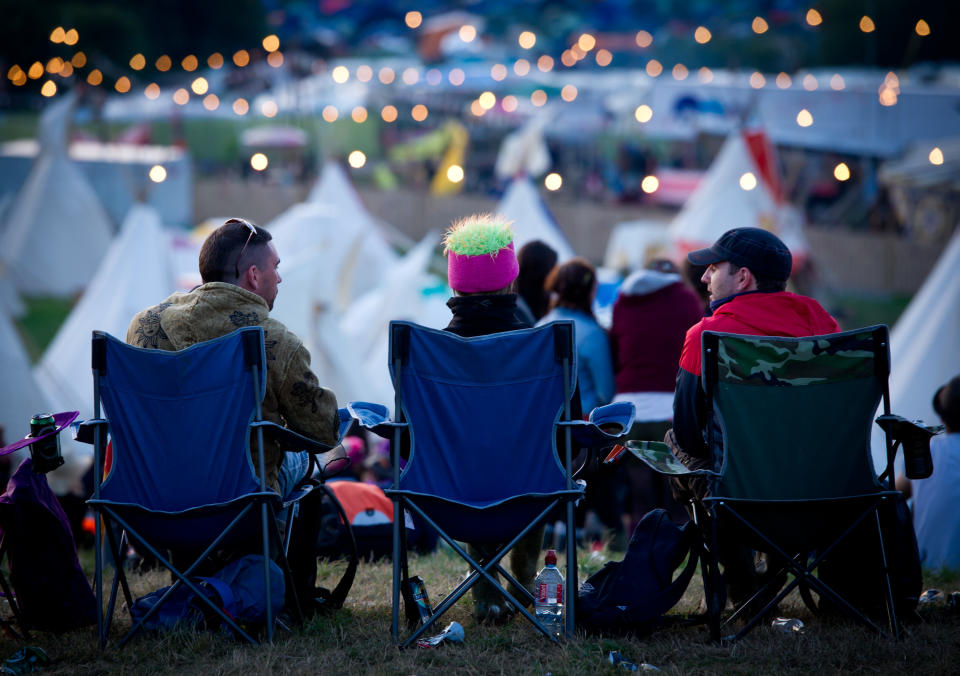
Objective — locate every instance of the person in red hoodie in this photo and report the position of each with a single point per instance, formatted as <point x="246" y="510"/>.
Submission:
<point x="747" y="273"/>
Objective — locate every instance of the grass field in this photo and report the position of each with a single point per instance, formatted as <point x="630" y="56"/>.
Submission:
<point x="357" y="641"/>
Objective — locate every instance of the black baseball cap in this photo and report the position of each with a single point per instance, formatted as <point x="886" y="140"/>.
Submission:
<point x="759" y="250"/>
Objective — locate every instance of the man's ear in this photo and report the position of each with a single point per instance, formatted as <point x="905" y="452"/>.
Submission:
<point x="745" y="279"/>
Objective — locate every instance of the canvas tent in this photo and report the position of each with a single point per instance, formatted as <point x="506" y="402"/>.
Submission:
<point x="522" y="204"/>
<point x="741" y="188"/>
<point x="20" y="397"/>
<point x="925" y="345"/>
<point x="56" y="231"/>
<point x="136" y="273"/>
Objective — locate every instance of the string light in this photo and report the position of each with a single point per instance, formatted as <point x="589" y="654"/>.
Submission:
<point x="419" y="112"/>
<point x="553" y="181"/>
<point x="586" y="42"/>
<point x="936" y="156"/>
<point x="275" y="59"/>
<point x="410" y="76"/>
<point x="866" y="24"/>
<point x="643" y="113"/>
<point x="841" y="172"/>
<point x="538" y="98"/>
<point x="259" y="161"/>
<point x="413" y="19"/>
<point x="680" y="72"/>
<point x="56" y="36"/>
<point x="644" y="39"/>
<point x="271" y="43"/>
<point x="649" y="184"/>
<point x="604" y="58"/>
<point x="759" y="25"/>
<point x="922" y="28"/>
<point x="211" y="102"/>
<point x="181" y="96"/>
<point x="189" y="63"/>
<point x="527" y="39"/>
<point x="122" y="84"/>
<point x="138" y="62"/>
<point x="79" y="60"/>
<point x="654" y="68"/>
<point x="241" y="107"/>
<point x="498" y="72"/>
<point x="157" y="173"/>
<point x="269" y="108"/>
<point x="35" y="72"/>
<point x="455" y="173"/>
<point x="814" y="18"/>
<point x="48" y="89"/>
<point x="94" y="77"/>
<point x="163" y="64"/>
<point x="386" y="75"/>
<point x="241" y="58"/>
<point x="702" y="35"/>
<point x="359" y="114"/>
<point x="521" y="67"/>
<point x="66" y="70"/>
<point x="568" y="93"/>
<point x="804" y="118"/>
<point x="71" y="37"/>
<point x="748" y="181"/>
<point x="356" y="159"/>
<point x="388" y="113"/>
<point x="330" y="114"/>
<point x="200" y="86"/>
<point x="215" y="60"/>
<point x="364" y="73"/>
<point x="705" y="75"/>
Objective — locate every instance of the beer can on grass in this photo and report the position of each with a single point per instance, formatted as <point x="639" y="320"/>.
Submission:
<point x="416" y="602"/>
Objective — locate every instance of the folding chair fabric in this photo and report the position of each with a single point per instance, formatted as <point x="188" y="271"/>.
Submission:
<point x="182" y="477"/>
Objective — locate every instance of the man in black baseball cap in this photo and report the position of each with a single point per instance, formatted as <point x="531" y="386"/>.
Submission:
<point x="746" y="275"/>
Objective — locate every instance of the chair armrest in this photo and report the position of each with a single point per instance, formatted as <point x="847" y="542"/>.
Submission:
<point x="290" y="439"/>
<point x="84" y="433"/>
<point x="374" y="417"/>
<point x="659" y="458"/>
<point x="607" y="425"/>
<point x="914" y="437"/>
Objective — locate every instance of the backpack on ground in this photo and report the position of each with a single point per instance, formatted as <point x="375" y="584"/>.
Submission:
<point x="632" y="596"/>
<point x="49" y="584"/>
<point x="237" y="589"/>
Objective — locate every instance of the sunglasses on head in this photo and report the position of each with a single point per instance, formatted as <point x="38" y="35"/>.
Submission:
<point x="253" y="231"/>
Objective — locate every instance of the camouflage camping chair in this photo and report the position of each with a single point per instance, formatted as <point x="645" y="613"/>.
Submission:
<point x="790" y="422"/>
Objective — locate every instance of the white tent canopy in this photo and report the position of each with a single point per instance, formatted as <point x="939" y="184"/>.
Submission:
<point x="728" y="198"/>
<point x="136" y="273"/>
<point x="56" y="232"/>
<point x="925" y="346"/>
<point x="521" y="203"/>
<point x="20" y="397"/>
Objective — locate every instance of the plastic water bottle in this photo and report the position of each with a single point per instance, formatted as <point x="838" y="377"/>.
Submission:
<point x="548" y="590"/>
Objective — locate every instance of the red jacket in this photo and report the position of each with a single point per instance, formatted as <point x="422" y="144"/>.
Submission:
<point x="759" y="314"/>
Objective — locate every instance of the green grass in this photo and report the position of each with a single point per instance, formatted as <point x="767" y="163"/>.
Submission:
<point x="356" y="640"/>
<point x="39" y="324"/>
<point x="856" y="310"/>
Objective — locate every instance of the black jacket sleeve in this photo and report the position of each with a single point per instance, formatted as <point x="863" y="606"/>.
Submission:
<point x="690" y="415"/>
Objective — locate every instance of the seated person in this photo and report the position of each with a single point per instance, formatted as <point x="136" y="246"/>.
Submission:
<point x="746" y="275"/>
<point x="481" y="269"/>
<point x="239" y="268"/>
<point x="936" y="497"/>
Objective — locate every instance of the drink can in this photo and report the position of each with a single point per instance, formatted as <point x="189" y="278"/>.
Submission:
<point x="416" y="601"/>
<point x="41" y="423"/>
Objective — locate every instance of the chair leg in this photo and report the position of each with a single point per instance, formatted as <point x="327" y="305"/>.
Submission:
<point x="714" y="598"/>
<point x="570" y="624"/>
<point x="891" y="607"/>
<point x="395" y="612"/>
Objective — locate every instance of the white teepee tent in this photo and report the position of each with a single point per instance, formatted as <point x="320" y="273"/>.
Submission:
<point x="20" y="396"/>
<point x="925" y="346"/>
<point x="136" y="273"/>
<point x="522" y="204"/>
<point x="741" y="189"/>
<point x="56" y="232"/>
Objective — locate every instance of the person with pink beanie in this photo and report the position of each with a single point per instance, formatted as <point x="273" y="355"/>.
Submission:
<point x="482" y="269"/>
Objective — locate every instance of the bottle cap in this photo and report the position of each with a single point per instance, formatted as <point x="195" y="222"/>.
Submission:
<point x="551" y="558"/>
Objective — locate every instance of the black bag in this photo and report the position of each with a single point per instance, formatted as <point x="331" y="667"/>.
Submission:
<point x="633" y="595"/>
<point x="853" y="567"/>
<point x="49" y="584"/>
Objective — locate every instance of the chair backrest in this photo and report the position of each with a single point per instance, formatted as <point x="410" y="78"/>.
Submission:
<point x="483" y="410"/>
<point x="795" y="414"/>
<point x="179" y="421"/>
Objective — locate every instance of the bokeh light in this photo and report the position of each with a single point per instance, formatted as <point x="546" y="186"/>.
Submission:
<point x="643" y="113"/>
<point x="79" y="60"/>
<point x="654" y="68"/>
<point x="922" y="28"/>
<point x="545" y="63"/>
<point x="509" y="103"/>
<point x="271" y="43"/>
<point x="527" y="39"/>
<point x="568" y="93"/>
<point x="487" y="100"/>
<point x="455" y="173"/>
<point x="95" y="77"/>
<point x="66" y="70"/>
<point x="71" y="37"/>
<point x="553" y="181"/>
<point x="410" y="76"/>
<point x="413" y="19"/>
<point x="241" y="58"/>
<point x="644" y="39"/>
<point x="356" y="159"/>
<point x="836" y="82"/>
<point x="241" y="107"/>
<point x="702" y="35"/>
<point x="259" y="161"/>
<point x="433" y="77"/>
<point x="814" y="18"/>
<point x="757" y="80"/>
<point x="538" y="97"/>
<point x="388" y="113"/>
<point x="157" y="173"/>
<point x="586" y="42"/>
<point x="604" y="58"/>
<point x="189" y="63"/>
<point x="48" y="89"/>
<point x="163" y="64"/>
<point x="137" y="61"/>
<point x="386" y="75"/>
<point x="650" y="184"/>
<point x="330" y="114"/>
<point x="364" y="73"/>
<point x="215" y="61"/>
<point x="181" y="96"/>
<point x="705" y="75"/>
<point x="359" y="114"/>
<point x="211" y="102"/>
<point x="680" y="72"/>
<point x="498" y="72"/>
<point x="467" y="33"/>
<point x="269" y="108"/>
<point x="35" y="72"/>
<point x="784" y="81"/>
<point x="936" y="156"/>
<point x="152" y="91"/>
<point x="56" y="35"/>
<point x="457" y="77"/>
<point x="748" y="181"/>
<point x="810" y="82"/>
<point x="759" y="25"/>
<point x="419" y="112"/>
<point x="804" y="118"/>
<point x="122" y="84"/>
<point x="841" y="172"/>
<point x="200" y="86"/>
<point x="521" y="67"/>
<point x="867" y="25"/>
<point x="275" y="59"/>
<point x="340" y="74"/>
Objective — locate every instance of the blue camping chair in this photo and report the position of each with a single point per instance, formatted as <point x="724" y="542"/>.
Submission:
<point x="477" y="420"/>
<point x="182" y="477"/>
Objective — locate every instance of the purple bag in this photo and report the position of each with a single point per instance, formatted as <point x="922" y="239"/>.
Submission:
<point x="46" y="577"/>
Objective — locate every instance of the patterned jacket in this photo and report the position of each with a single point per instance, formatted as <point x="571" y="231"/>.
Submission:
<point x="294" y="397"/>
